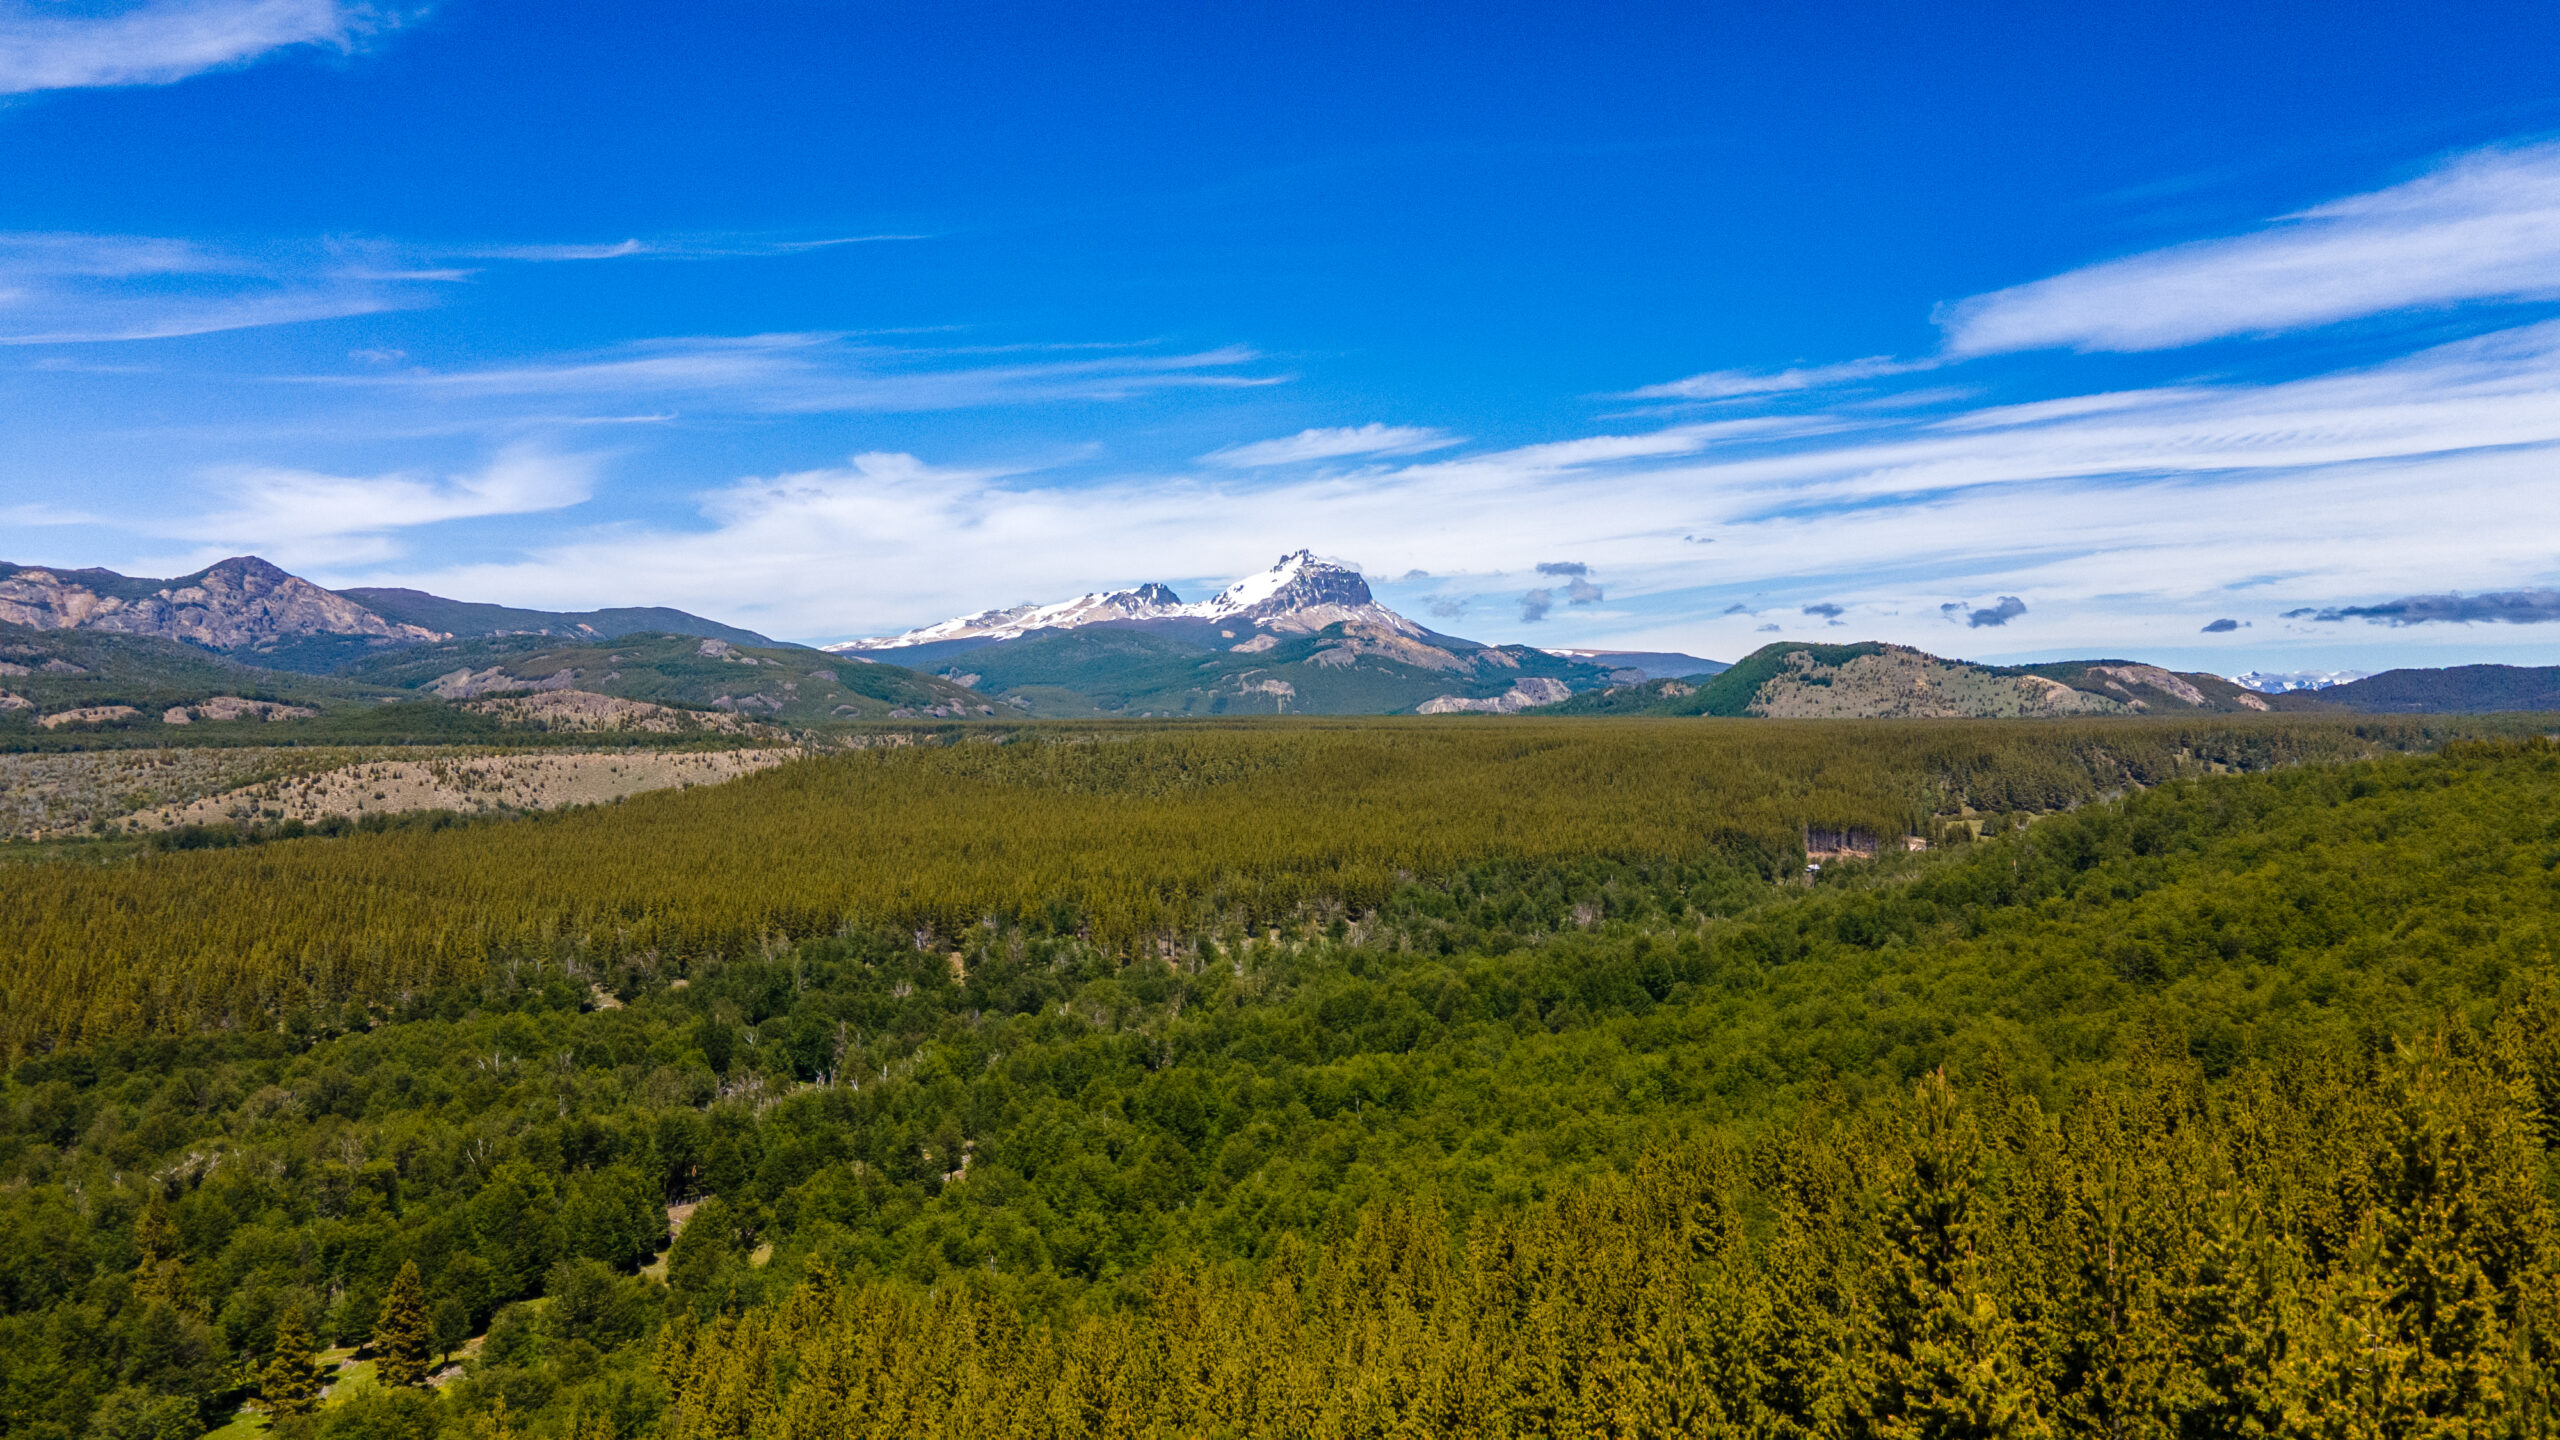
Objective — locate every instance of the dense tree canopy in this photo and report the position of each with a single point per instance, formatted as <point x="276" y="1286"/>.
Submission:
<point x="2216" y="1107"/>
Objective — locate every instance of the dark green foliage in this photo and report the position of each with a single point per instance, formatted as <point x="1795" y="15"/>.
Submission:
<point x="594" y="1304"/>
<point x="463" y="617"/>
<point x="2459" y="689"/>
<point x="2180" y="1163"/>
<point x="1732" y="691"/>
<point x="1648" y="697"/>
<point x="1192" y="668"/>
<point x="83" y="669"/>
<point x="135" y="1413"/>
<point x="614" y="1216"/>
<point x="784" y="684"/>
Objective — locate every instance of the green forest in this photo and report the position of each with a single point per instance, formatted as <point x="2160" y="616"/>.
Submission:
<point x="1470" y="1077"/>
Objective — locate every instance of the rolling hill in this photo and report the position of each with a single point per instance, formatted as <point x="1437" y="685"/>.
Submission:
<point x="2457" y="690"/>
<point x="252" y="610"/>
<point x="1873" y="680"/>
<point x="773" y="684"/>
<point x="466" y="618"/>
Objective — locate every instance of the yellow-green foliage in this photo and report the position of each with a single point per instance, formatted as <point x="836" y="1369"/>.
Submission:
<point x="1127" y="834"/>
<point x="2353" y="1252"/>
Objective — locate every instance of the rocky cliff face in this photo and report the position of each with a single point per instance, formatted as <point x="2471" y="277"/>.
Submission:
<point x="241" y="602"/>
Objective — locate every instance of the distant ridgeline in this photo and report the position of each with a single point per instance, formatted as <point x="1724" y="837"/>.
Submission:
<point x="1880" y="681"/>
<point x="2217" y="1109"/>
<point x="83" y="688"/>
<point x="1306" y="637"/>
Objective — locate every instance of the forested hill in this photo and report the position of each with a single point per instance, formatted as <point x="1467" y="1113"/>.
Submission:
<point x="2240" y="1131"/>
<point x="1128" y="838"/>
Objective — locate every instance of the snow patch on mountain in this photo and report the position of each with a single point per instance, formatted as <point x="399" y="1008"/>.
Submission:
<point x="1297" y="596"/>
<point x="1146" y="602"/>
<point x="2278" y="684"/>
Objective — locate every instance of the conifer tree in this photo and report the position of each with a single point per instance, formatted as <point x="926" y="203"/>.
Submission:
<point x="291" y="1384"/>
<point x="1950" y="1363"/>
<point x="159" y="1274"/>
<point x="403" y="1337"/>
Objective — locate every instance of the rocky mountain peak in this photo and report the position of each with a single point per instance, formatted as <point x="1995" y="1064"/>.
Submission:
<point x="1298" y="595"/>
<point x="1302" y="594"/>
<point x="242" y="601"/>
<point x="1297" y="581"/>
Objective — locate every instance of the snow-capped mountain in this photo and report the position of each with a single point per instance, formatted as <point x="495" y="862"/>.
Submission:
<point x="2278" y="684"/>
<point x="1301" y="595"/>
<point x="1147" y="602"/>
<point x="1298" y="596"/>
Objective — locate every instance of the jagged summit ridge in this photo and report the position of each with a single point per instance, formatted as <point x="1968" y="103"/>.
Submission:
<point x="1302" y="594"/>
<point x="1146" y="602"/>
<point x="1298" y="595"/>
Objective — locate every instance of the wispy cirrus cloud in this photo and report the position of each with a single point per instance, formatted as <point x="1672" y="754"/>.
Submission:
<point x="1739" y="384"/>
<point x="681" y="247"/>
<point x="2483" y="227"/>
<point x="1335" y="444"/>
<point x="44" y="47"/>
<point x="822" y="373"/>
<point x="66" y="289"/>
<point x="59" y="288"/>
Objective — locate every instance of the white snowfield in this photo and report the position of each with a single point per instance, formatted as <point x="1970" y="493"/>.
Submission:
<point x="2277" y="684"/>
<point x="1299" y="595"/>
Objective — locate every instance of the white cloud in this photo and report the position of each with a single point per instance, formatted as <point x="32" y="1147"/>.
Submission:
<point x="307" y="517"/>
<point x="160" y="42"/>
<point x="1334" y="444"/>
<point x="2120" y="523"/>
<point x="2483" y="227"/>
<point x="1734" y="384"/>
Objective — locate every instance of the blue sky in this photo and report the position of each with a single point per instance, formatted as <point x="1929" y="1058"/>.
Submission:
<point x="2019" y="333"/>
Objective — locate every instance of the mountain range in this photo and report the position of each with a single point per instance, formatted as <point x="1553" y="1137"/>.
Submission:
<point x="244" y="642"/>
<point x="1303" y="637"/>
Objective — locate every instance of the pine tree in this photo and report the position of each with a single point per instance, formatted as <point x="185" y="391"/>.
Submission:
<point x="159" y="1274"/>
<point x="291" y="1383"/>
<point x="1950" y="1364"/>
<point x="402" y="1338"/>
